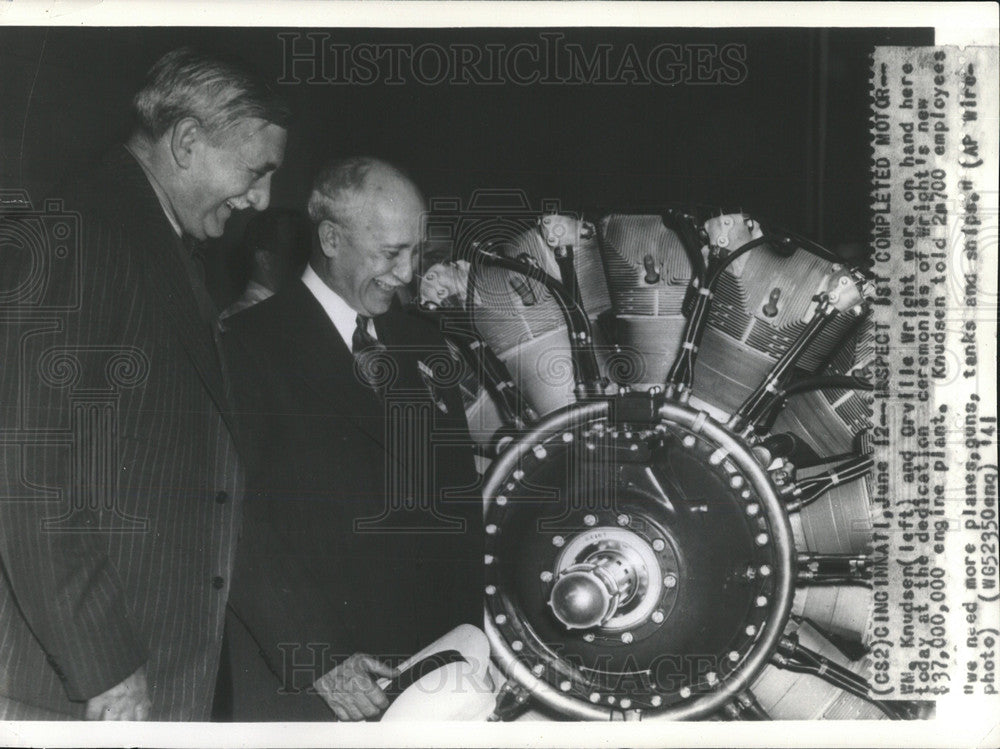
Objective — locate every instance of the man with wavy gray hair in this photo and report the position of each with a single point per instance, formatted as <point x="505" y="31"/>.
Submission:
<point x="118" y="526"/>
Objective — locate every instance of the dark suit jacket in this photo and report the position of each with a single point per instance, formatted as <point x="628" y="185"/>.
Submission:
<point x="363" y="524"/>
<point x="119" y="476"/>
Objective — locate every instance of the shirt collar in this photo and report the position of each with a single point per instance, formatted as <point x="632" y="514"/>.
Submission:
<point x="161" y="195"/>
<point x="341" y="314"/>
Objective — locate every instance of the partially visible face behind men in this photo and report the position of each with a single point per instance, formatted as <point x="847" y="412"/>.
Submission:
<point x="373" y="256"/>
<point x="230" y="170"/>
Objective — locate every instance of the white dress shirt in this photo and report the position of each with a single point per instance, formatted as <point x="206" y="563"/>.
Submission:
<point x="343" y="316"/>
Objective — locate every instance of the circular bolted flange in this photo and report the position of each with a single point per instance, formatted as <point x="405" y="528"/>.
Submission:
<point x="572" y="694"/>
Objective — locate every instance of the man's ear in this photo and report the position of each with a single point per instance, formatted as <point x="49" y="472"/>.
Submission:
<point x="184" y="135"/>
<point x="330" y="237"/>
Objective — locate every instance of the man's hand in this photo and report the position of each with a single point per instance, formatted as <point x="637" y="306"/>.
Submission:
<point x="350" y="689"/>
<point x="128" y="700"/>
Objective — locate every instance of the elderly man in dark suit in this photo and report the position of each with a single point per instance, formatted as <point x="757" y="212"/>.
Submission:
<point x="119" y="474"/>
<point x="363" y="527"/>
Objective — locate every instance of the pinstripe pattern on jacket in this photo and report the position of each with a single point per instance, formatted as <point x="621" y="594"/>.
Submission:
<point x="120" y="482"/>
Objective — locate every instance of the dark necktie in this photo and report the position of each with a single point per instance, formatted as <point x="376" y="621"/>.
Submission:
<point x="369" y="357"/>
<point x="362" y="340"/>
<point x="193" y="259"/>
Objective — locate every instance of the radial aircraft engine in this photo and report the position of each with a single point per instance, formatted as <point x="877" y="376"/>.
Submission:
<point x="677" y="512"/>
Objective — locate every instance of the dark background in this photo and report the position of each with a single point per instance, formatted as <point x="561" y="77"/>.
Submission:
<point x="789" y="143"/>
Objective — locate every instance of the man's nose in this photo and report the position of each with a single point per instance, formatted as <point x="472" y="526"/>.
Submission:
<point x="403" y="270"/>
<point x="259" y="195"/>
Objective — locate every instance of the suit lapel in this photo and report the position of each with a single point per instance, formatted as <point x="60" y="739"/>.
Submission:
<point x="326" y="365"/>
<point x="397" y="335"/>
<point x="166" y="279"/>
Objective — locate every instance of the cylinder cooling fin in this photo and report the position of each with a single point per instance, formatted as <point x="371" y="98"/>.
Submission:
<point x="679" y="526"/>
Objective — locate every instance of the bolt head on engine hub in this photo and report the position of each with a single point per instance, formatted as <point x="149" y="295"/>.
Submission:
<point x="580" y="600"/>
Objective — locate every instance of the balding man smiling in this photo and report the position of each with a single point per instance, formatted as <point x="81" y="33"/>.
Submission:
<point x="362" y="539"/>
